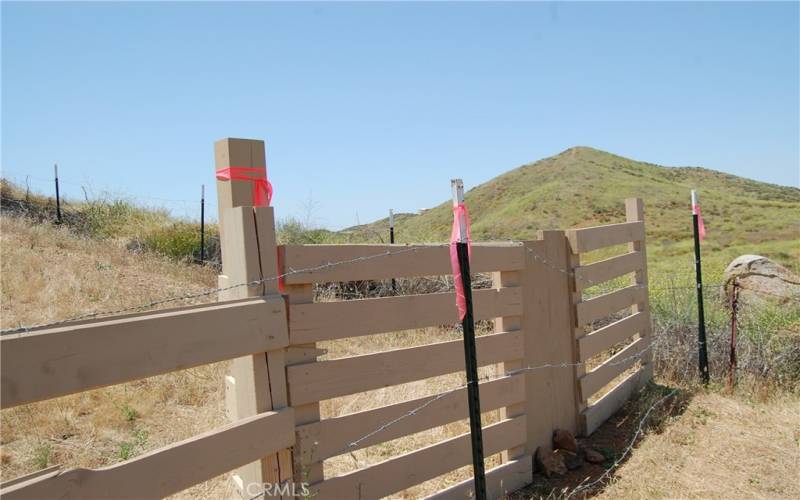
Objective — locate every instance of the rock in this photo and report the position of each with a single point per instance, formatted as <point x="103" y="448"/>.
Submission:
<point x="571" y="460"/>
<point x="593" y="456"/>
<point x="549" y="463"/>
<point x="564" y="440"/>
<point x="761" y="280"/>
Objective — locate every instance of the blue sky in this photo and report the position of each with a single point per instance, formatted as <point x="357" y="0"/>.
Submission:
<point x="367" y="107"/>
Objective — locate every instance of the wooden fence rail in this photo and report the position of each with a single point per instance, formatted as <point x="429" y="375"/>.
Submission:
<point x="53" y="362"/>
<point x="542" y="317"/>
<point x="630" y="335"/>
<point x="169" y="469"/>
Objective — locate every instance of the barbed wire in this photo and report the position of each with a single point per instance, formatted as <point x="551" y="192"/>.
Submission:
<point x="639" y="431"/>
<point x="486" y="378"/>
<point x="158" y="302"/>
<point x="574" y="275"/>
<point x="415" y="411"/>
<point x="253" y="283"/>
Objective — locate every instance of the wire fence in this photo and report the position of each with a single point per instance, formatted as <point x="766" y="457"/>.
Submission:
<point x="85" y="193"/>
<point x="444" y="285"/>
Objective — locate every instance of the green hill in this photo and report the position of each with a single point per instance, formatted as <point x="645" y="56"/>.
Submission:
<point x="585" y="187"/>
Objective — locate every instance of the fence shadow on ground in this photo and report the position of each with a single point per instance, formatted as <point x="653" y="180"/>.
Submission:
<point x="612" y="439"/>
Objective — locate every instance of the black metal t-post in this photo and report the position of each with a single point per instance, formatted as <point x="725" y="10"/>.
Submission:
<point x="58" y="195"/>
<point x="470" y="355"/>
<point x="701" y="321"/>
<point x="391" y="241"/>
<point x="202" y="223"/>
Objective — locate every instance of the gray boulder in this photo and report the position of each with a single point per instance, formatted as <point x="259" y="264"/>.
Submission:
<point x="761" y="280"/>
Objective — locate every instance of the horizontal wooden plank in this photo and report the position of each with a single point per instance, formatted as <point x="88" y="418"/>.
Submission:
<point x="377" y="262"/>
<point x="312" y="382"/>
<point x="599" y="377"/>
<point x="608" y="269"/>
<point x="609" y="303"/>
<point x="611" y="334"/>
<point x="594" y="238"/>
<point x="603" y="408"/>
<point x="501" y="481"/>
<point x="170" y="469"/>
<point x="333" y="436"/>
<point x="353" y="318"/>
<point x="53" y="470"/>
<point x="54" y="362"/>
<point x="412" y="468"/>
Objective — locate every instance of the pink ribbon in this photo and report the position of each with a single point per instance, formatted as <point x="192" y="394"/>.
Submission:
<point x="455" y="236"/>
<point x="262" y="195"/>
<point x="701" y="227"/>
<point x="262" y="189"/>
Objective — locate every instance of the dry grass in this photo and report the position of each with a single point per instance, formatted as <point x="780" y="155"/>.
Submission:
<point x="720" y="447"/>
<point x="49" y="273"/>
<point x="717" y="447"/>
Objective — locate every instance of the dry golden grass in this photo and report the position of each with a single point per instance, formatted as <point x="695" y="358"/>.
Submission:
<point x="719" y="447"/>
<point x="49" y="274"/>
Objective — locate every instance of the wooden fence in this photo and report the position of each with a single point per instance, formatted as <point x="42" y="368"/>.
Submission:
<point x="277" y="381"/>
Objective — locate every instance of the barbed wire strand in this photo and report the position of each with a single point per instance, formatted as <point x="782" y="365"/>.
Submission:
<point x="418" y="409"/>
<point x="357" y="442"/>
<point x="628" y="449"/>
<point x="211" y="291"/>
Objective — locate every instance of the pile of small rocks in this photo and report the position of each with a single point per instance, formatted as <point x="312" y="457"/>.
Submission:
<point x="566" y="455"/>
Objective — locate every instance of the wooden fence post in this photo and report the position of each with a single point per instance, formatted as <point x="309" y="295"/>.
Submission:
<point x="634" y="212"/>
<point x="304" y="471"/>
<point x="256" y="383"/>
<point x="576" y="296"/>
<point x="549" y="339"/>
<point x="510" y="324"/>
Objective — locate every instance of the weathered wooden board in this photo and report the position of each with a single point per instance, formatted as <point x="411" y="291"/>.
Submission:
<point x="609" y="303"/>
<point x="611" y="334"/>
<point x="634" y="211"/>
<point x="608" y="269"/>
<point x="501" y="481"/>
<point x="599" y="377"/>
<point x="54" y="362"/>
<point x="247" y="242"/>
<point x="170" y="469"/>
<point x="594" y="238"/>
<point x="551" y="392"/>
<point x="304" y="470"/>
<point x="353" y="318"/>
<point x="329" y="379"/>
<point x="602" y="409"/>
<point x="510" y="323"/>
<point x="399" y="473"/>
<point x="333" y="436"/>
<point x="377" y="262"/>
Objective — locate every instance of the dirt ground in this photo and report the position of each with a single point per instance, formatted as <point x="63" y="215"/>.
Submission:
<point x="693" y="445"/>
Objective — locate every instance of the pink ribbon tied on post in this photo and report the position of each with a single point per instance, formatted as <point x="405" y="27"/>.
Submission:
<point x="701" y="227"/>
<point x="455" y="236"/>
<point x="262" y="189"/>
<point x="262" y="195"/>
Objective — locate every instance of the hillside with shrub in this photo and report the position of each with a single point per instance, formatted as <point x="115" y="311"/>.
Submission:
<point x="583" y="187"/>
